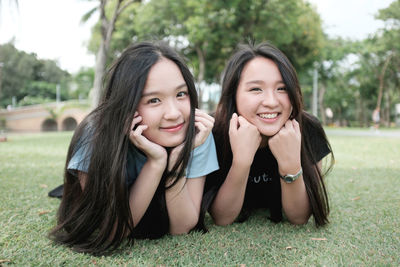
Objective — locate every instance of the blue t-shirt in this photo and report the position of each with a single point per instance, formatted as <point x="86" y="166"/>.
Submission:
<point x="203" y="160"/>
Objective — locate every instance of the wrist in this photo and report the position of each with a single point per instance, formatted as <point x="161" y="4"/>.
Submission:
<point x="242" y="163"/>
<point x="157" y="163"/>
<point x="289" y="169"/>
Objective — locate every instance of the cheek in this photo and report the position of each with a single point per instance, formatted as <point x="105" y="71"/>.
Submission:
<point x="148" y="116"/>
<point x="239" y="102"/>
<point x="185" y="109"/>
<point x="245" y="105"/>
<point x="287" y="106"/>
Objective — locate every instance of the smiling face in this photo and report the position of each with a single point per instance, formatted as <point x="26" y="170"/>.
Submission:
<point x="165" y="105"/>
<point x="261" y="96"/>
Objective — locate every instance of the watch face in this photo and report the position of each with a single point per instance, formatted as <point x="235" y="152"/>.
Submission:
<point x="288" y="179"/>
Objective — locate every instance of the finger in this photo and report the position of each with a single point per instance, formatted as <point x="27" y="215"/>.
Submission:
<point x="201" y="127"/>
<point x="296" y="125"/>
<point x="289" y="125"/>
<point x="242" y="121"/>
<point x="139" y="130"/>
<point x="201" y="114"/>
<point x="136" y="136"/>
<point x="203" y="131"/>
<point x="233" y="124"/>
<point x="208" y="123"/>
<point x="135" y="121"/>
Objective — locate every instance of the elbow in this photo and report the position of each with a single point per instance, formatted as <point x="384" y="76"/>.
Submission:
<point x="299" y="220"/>
<point x="185" y="226"/>
<point x="221" y="218"/>
<point x="222" y="221"/>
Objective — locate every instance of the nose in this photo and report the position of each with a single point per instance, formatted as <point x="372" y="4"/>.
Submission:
<point x="171" y="111"/>
<point x="269" y="98"/>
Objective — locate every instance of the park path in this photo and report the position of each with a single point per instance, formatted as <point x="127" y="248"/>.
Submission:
<point x="367" y="132"/>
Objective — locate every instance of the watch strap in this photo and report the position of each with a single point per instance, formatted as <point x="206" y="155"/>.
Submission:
<point x="290" y="178"/>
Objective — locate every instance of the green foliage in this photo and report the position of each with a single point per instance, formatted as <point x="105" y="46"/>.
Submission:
<point x="364" y="228"/>
<point x="208" y="31"/>
<point x="82" y="83"/>
<point x="29" y="79"/>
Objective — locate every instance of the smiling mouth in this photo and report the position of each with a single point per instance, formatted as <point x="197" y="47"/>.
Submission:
<point x="268" y="115"/>
<point x="173" y="128"/>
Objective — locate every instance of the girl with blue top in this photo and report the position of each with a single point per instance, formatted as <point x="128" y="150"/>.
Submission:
<point x="136" y="164"/>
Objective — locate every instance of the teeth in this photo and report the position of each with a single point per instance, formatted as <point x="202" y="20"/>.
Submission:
<point x="268" y="116"/>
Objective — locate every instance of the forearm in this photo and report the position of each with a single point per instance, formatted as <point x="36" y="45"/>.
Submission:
<point x="142" y="191"/>
<point x="183" y="212"/>
<point x="229" y="200"/>
<point x="295" y="202"/>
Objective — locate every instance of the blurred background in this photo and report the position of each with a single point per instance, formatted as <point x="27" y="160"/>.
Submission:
<point x="53" y="54"/>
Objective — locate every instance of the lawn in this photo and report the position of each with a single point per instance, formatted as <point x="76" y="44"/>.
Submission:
<point x="364" y="189"/>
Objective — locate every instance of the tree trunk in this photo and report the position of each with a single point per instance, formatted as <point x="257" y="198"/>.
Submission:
<point x="101" y="59"/>
<point x="387" y="109"/>
<point x="321" y="103"/>
<point x="200" y="75"/>
<point x="381" y="80"/>
<point x="107" y="29"/>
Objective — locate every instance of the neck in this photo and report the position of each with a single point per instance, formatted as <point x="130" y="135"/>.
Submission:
<point x="264" y="142"/>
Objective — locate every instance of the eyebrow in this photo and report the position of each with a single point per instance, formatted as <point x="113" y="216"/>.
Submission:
<point x="261" y="82"/>
<point x="158" y="92"/>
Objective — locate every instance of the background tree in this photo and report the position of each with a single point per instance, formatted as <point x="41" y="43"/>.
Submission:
<point x="27" y="78"/>
<point x="333" y="90"/>
<point x="388" y="46"/>
<point x="208" y="31"/>
<point x="82" y="82"/>
<point x="109" y="12"/>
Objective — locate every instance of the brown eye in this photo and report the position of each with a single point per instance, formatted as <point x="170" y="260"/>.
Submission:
<point x="182" y="94"/>
<point x="153" y="101"/>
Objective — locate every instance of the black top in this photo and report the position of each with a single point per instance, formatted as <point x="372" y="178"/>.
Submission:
<point x="263" y="185"/>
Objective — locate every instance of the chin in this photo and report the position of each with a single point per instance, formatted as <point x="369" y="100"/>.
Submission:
<point x="268" y="132"/>
<point x="171" y="143"/>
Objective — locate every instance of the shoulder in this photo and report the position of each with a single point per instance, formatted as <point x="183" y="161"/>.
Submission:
<point x="209" y="143"/>
<point x="312" y="127"/>
<point x="315" y="138"/>
<point x="203" y="159"/>
<point x="80" y="149"/>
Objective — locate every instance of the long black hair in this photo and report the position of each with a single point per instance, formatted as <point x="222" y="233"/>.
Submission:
<point x="98" y="218"/>
<point x="313" y="177"/>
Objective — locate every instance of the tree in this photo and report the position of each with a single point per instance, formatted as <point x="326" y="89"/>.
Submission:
<point x="389" y="48"/>
<point x="107" y="26"/>
<point x="24" y="75"/>
<point x="207" y="31"/>
<point x="82" y="83"/>
<point x="332" y="83"/>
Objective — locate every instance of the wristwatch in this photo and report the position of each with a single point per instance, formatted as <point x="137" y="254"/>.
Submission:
<point x="290" y="178"/>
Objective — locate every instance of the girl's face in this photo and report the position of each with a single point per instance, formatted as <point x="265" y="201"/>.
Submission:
<point x="261" y="96"/>
<point x="165" y="105"/>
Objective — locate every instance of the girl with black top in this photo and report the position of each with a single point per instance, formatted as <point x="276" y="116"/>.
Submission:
<point x="136" y="165"/>
<point x="269" y="149"/>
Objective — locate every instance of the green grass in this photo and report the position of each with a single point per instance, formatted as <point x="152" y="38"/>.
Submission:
<point x="364" y="190"/>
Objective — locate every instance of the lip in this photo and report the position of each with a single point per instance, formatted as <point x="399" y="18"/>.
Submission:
<point x="172" y="129"/>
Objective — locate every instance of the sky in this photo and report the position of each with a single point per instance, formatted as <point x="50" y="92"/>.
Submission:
<point x="52" y="28"/>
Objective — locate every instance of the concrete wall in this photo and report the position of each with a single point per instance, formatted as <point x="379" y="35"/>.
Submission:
<point x="37" y="118"/>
